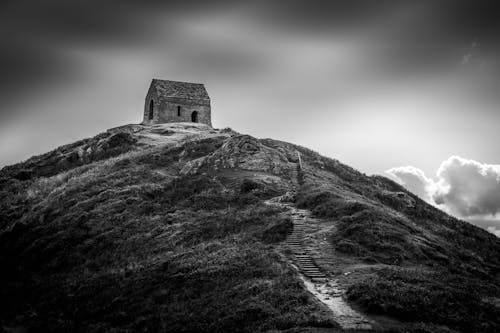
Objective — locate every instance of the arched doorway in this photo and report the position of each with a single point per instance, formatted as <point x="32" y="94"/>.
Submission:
<point x="151" y="110"/>
<point x="194" y="117"/>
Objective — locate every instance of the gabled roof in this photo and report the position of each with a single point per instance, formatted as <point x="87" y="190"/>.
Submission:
<point x="180" y="89"/>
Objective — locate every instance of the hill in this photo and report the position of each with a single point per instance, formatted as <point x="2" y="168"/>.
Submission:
<point x="185" y="228"/>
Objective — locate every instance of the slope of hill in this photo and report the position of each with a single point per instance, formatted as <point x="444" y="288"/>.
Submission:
<point x="167" y="228"/>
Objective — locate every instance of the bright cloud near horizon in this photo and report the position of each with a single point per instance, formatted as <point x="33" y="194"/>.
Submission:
<point x="375" y="84"/>
<point x="464" y="188"/>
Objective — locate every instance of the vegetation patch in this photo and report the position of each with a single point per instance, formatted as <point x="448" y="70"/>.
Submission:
<point x="420" y="295"/>
<point x="116" y="246"/>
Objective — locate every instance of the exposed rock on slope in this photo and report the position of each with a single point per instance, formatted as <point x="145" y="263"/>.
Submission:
<point x="245" y="153"/>
<point x="165" y="228"/>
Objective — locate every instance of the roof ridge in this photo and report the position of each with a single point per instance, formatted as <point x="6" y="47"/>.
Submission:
<point x="181" y="89"/>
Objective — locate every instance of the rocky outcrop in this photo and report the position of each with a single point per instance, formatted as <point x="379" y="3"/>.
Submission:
<point x="246" y="153"/>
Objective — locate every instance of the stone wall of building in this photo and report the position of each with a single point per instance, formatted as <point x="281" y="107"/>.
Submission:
<point x="165" y="110"/>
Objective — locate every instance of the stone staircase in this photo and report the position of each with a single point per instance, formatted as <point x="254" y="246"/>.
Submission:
<point x="324" y="288"/>
<point x="296" y="243"/>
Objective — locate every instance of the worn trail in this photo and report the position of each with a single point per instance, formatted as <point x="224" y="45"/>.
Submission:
<point x="325" y="288"/>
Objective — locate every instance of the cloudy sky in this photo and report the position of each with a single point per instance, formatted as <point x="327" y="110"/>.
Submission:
<point x="406" y="86"/>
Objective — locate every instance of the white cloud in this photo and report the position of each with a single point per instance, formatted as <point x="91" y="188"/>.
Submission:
<point x="468" y="187"/>
<point x="494" y="230"/>
<point x="415" y="180"/>
<point x="465" y="188"/>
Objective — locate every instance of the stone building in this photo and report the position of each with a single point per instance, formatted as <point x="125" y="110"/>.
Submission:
<point x="173" y="101"/>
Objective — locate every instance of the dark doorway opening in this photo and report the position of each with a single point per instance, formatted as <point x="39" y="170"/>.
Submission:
<point x="151" y="108"/>
<point x="194" y="117"/>
<point x="178" y="111"/>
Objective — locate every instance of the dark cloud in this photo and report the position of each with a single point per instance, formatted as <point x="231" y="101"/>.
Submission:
<point x="406" y="31"/>
<point x="358" y="67"/>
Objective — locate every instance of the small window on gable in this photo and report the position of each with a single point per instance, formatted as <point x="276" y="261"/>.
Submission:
<point x="178" y="110"/>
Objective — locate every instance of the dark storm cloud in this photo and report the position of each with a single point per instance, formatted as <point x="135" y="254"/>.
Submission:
<point x="401" y="37"/>
<point x="34" y="36"/>
<point x="30" y="27"/>
<point x="282" y="55"/>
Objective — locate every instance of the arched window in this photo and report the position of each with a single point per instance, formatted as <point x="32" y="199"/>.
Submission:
<point x="178" y="110"/>
<point x="194" y="117"/>
<point x="151" y="109"/>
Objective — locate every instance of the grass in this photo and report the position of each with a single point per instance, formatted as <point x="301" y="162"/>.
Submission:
<point x="115" y="246"/>
<point x="101" y="236"/>
<point x="439" y="270"/>
<point x="420" y="295"/>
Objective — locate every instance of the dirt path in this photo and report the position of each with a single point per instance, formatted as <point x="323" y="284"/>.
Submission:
<point x="325" y="288"/>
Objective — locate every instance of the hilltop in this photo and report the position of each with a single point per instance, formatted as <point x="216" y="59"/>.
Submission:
<point x="185" y="228"/>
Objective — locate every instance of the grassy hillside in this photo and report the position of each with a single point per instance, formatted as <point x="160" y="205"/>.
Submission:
<point x="165" y="228"/>
<point x="119" y="244"/>
<point x="418" y="264"/>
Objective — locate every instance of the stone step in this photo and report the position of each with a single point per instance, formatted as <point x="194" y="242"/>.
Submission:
<point x="319" y="279"/>
<point x="311" y="275"/>
<point x="315" y="276"/>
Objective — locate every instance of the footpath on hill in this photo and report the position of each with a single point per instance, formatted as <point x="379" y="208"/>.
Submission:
<point x="324" y="287"/>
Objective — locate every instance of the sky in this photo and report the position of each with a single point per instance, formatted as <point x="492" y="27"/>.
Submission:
<point x="407" y="89"/>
